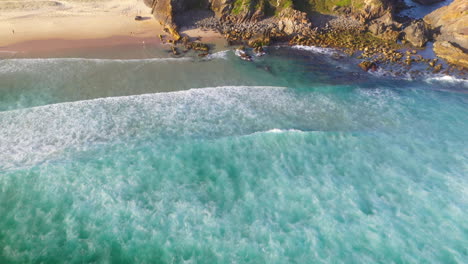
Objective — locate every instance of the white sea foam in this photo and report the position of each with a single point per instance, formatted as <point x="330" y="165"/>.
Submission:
<point x="239" y="52"/>
<point x="447" y="79"/>
<point x="313" y="49"/>
<point x="218" y="55"/>
<point x="19" y="65"/>
<point x="380" y="72"/>
<point x="28" y="136"/>
<point x="427" y="77"/>
<point x="279" y="131"/>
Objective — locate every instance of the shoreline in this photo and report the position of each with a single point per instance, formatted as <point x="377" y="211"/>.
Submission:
<point x="36" y="29"/>
<point x="92" y="32"/>
<point x="137" y="47"/>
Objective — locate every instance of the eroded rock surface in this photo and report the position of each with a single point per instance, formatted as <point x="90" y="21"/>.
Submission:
<point x="417" y="33"/>
<point x="449" y="25"/>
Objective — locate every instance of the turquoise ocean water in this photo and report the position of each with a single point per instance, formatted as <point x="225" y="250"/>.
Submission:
<point x="297" y="157"/>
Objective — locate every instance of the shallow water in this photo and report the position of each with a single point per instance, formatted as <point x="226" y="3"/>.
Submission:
<point x="417" y="10"/>
<point x="297" y="157"/>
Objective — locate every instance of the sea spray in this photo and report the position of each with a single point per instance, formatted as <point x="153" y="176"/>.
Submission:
<point x="310" y="169"/>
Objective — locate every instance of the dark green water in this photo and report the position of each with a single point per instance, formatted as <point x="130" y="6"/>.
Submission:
<point x="294" y="158"/>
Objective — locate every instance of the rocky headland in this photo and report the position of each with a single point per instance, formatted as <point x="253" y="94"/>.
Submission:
<point x="373" y="31"/>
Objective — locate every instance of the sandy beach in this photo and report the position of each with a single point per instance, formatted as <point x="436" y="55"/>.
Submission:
<point x="40" y="26"/>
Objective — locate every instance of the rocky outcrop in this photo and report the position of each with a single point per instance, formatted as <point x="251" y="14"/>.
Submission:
<point x="368" y="65"/>
<point x="451" y="53"/>
<point x="417" y="33"/>
<point x="378" y="15"/>
<point x="292" y="18"/>
<point x="221" y="8"/>
<point x="449" y="28"/>
<point x="248" y="10"/>
<point x="363" y="10"/>
<point x="164" y="12"/>
<point x="293" y="22"/>
<point x="368" y="10"/>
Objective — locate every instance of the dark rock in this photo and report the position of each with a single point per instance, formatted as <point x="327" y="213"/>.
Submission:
<point x="200" y="46"/>
<point x="241" y="52"/>
<point x="417" y="33"/>
<point x="174" y="50"/>
<point x="437" y="68"/>
<point x="368" y="65"/>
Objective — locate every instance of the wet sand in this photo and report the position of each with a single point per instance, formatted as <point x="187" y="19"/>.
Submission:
<point x="63" y="28"/>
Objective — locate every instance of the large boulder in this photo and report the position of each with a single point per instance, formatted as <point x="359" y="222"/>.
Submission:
<point x="451" y="53"/>
<point x="417" y="33"/>
<point x="449" y="25"/>
<point x="293" y="21"/>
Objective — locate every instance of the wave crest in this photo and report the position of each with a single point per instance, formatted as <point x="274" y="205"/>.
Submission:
<point x="314" y="49"/>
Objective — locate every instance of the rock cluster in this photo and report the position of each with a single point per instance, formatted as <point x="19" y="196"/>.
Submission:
<point x="364" y="26"/>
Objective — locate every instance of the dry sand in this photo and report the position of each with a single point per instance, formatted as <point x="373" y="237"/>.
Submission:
<point x="27" y="25"/>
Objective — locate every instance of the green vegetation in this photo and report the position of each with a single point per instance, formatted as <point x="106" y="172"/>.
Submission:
<point x="240" y="6"/>
<point x="274" y="7"/>
<point x="270" y="7"/>
<point x="344" y="3"/>
<point x="285" y="4"/>
<point x="325" y="6"/>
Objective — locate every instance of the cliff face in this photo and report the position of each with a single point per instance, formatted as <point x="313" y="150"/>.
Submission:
<point x="450" y="27"/>
<point x="221" y="7"/>
<point x="255" y="10"/>
<point x="165" y="11"/>
<point x="365" y="10"/>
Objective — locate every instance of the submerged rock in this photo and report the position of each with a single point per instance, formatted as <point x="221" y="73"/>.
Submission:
<point x="242" y="54"/>
<point x="368" y="65"/>
<point x="174" y="50"/>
